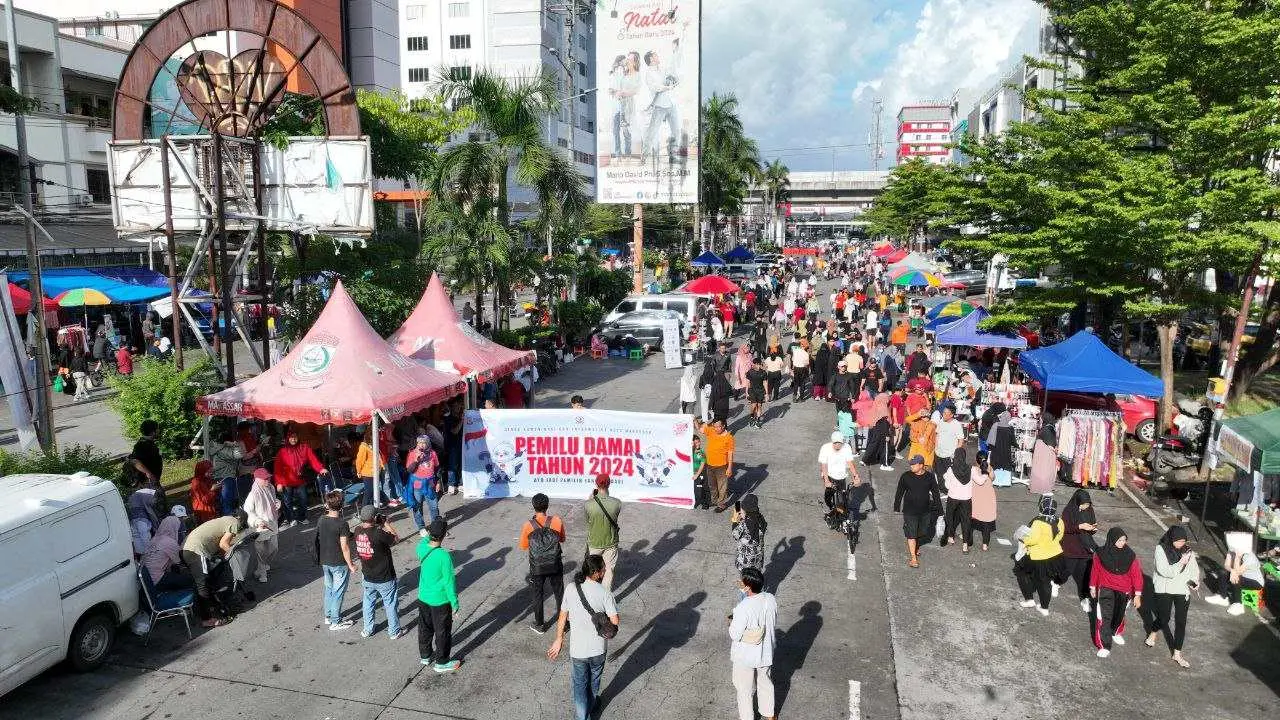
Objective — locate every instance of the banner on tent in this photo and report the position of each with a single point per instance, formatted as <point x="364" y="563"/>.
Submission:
<point x="507" y="453"/>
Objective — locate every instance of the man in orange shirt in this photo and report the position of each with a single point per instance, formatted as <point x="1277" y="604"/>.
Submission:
<point x="542" y="536"/>
<point x="719" y="467"/>
<point x="899" y="335"/>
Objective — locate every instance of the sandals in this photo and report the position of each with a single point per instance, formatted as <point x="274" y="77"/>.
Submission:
<point x="1182" y="662"/>
<point x="219" y="622"/>
<point x="913" y="563"/>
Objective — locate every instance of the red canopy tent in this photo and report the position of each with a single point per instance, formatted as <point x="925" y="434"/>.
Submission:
<point x="340" y="373"/>
<point x="895" y="256"/>
<point x="711" y="285"/>
<point x="435" y="335"/>
<point x="884" y="250"/>
<point x="800" y="251"/>
<point x="22" y="300"/>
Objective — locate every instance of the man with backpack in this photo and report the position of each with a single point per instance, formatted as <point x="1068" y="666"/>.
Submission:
<point x="591" y="614"/>
<point x="542" y="536"/>
<point x="602" y="514"/>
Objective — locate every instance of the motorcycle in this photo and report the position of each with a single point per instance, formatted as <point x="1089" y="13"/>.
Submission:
<point x="1176" y="457"/>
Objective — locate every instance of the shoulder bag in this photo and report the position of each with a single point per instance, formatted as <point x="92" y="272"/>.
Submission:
<point x="604" y="626"/>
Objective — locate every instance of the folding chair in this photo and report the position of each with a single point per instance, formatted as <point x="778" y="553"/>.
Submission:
<point x="165" y="603"/>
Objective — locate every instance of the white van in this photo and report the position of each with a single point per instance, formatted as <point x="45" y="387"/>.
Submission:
<point x="686" y="304"/>
<point x="67" y="576"/>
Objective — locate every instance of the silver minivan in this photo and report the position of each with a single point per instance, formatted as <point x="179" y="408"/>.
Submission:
<point x="685" y="304"/>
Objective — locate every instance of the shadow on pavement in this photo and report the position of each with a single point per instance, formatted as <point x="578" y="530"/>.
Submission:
<point x="792" y="648"/>
<point x="665" y="548"/>
<point x="784" y="557"/>
<point x="1257" y="654"/>
<point x="670" y="629"/>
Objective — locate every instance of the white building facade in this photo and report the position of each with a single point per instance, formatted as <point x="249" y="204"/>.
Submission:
<point x="924" y="131"/>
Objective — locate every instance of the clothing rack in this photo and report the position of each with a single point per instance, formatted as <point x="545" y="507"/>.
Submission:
<point x="1096" y="456"/>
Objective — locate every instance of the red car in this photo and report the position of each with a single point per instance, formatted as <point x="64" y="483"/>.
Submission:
<point x="1139" y="412"/>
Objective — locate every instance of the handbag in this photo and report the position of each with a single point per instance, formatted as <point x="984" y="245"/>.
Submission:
<point x="752" y="636"/>
<point x="604" y="626"/>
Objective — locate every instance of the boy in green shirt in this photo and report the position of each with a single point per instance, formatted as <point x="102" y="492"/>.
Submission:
<point x="700" y="499"/>
<point x="438" y="600"/>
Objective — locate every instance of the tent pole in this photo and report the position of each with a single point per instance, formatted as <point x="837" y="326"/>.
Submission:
<point x="377" y="491"/>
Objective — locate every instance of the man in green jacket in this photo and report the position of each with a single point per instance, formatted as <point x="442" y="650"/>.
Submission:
<point x="602" y="514"/>
<point x="437" y="600"/>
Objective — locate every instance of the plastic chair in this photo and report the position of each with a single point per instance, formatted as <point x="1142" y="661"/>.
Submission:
<point x="165" y="603"/>
<point x="636" y="354"/>
<point x="1252" y="598"/>
<point x="579" y="350"/>
<point x="598" y="354"/>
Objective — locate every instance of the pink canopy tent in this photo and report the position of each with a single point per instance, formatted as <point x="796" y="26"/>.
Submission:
<point x="435" y="335"/>
<point x="340" y="373"/>
<point x="884" y="250"/>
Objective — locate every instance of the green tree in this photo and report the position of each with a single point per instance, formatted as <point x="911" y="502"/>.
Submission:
<point x="158" y="391"/>
<point x="730" y="161"/>
<point x="776" y="181"/>
<point x="914" y="201"/>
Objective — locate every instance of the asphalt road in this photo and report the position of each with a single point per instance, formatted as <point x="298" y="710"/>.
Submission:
<point x="944" y="641"/>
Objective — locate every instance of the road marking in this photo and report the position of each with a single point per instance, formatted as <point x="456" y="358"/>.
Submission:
<point x="1142" y="505"/>
<point x="852" y="564"/>
<point x="855" y="700"/>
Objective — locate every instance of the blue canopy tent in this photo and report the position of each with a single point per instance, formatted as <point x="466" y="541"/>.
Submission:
<point x="739" y="255"/>
<point x="708" y="259"/>
<point x="1082" y="363"/>
<point x="965" y="332"/>
<point x="122" y="285"/>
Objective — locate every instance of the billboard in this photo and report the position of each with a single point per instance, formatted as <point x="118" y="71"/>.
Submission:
<point x="647" y="109"/>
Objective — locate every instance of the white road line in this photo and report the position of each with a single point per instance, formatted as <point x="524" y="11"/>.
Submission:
<point x="852" y="564"/>
<point x="855" y="700"/>
<point x="1142" y="505"/>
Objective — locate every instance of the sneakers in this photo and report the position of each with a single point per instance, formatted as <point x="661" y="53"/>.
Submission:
<point x="292" y="523"/>
<point x="327" y="621"/>
<point x="304" y="521"/>
<point x="366" y="634"/>
<point x="886" y="467"/>
<point x="1027" y="603"/>
<point x="447" y="667"/>
<point x="1235" y="609"/>
<point x="422" y="532"/>
<point x="1084" y="605"/>
<point x="427" y="660"/>
<point x="1104" y="653"/>
<point x="1216" y="600"/>
<point x="343" y="625"/>
<point x="1117" y="639"/>
<point x="399" y="633"/>
<point x="538" y="628"/>
<point x="1043" y="611"/>
<point x="1054" y="588"/>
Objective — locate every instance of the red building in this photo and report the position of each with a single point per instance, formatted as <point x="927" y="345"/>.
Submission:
<point x="924" y="131"/>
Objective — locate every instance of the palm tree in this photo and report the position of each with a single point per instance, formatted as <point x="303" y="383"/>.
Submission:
<point x="730" y="160"/>
<point x="777" y="189"/>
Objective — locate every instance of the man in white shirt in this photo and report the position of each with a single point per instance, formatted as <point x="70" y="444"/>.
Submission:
<point x="872" y="318"/>
<point x="835" y="461"/>
<point x="586" y="648"/>
<point x="751" y="628"/>
<point x="950" y="436"/>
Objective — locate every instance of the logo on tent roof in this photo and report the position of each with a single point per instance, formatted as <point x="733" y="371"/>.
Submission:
<point x="315" y="358"/>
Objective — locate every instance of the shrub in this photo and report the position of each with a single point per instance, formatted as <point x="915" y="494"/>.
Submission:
<point x="159" y="391"/>
<point x="605" y="288"/>
<point x="578" y="317"/>
<point x="68" y="460"/>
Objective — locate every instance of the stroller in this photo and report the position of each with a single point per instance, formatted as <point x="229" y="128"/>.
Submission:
<point x="226" y="576"/>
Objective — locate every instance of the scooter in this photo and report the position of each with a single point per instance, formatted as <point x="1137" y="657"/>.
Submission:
<point x="1176" y="458"/>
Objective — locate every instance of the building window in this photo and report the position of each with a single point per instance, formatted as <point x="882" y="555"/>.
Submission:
<point x="584" y="158"/>
<point x="98" y="185"/>
<point x="562" y="142"/>
<point x="459" y="9"/>
<point x="582" y="69"/>
<point x="582" y="41"/>
<point x="413" y="12"/>
<point x="419" y="74"/>
<point x="460" y="72"/>
<point x="417" y="43"/>
<point x="459" y="42"/>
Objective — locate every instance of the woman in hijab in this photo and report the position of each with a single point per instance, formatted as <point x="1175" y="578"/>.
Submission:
<point x="689" y="388"/>
<point x="821" y="371"/>
<point x="263" y="508"/>
<point x="741" y="366"/>
<point x="983" y="514"/>
<point x="987" y="422"/>
<point x="959" y="512"/>
<point x="164" y="556"/>
<point x="1114" y="578"/>
<point x="204" y="493"/>
<point x="748" y="530"/>
<point x="1040" y="560"/>
<point x="721" y="393"/>
<point x="1080" y="523"/>
<point x="1044" y="460"/>
<point x="1176" y="574"/>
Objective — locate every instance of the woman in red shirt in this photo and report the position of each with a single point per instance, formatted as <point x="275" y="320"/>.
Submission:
<point x="728" y="313"/>
<point x="204" y="503"/>
<point x="1115" y="577"/>
<point x="289" y="481"/>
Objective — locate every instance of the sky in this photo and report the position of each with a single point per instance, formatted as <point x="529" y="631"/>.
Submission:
<point x="807" y="72"/>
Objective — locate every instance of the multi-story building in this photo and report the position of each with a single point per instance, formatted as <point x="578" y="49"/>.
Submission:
<point x="516" y="39"/>
<point x="924" y="131"/>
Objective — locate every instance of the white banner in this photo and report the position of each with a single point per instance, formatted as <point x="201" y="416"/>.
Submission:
<point x="16" y="381"/>
<point x="507" y="453"/>
<point x="647" y="108"/>
<point x="672" y="352"/>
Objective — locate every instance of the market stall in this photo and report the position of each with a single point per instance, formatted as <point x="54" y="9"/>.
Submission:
<point x="739" y="254"/>
<point x="913" y="261"/>
<point x="1082" y="363"/>
<point x="708" y="259"/>
<point x="965" y="331"/>
<point x="1252" y="445"/>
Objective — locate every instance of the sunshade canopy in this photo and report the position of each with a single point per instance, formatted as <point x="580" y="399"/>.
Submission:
<point x="895" y="256"/>
<point x="739" y="254"/>
<point x="915" y="261"/>
<point x="707" y="259"/>
<point x="121" y="285"/>
<point x="22" y="300"/>
<point x="1252" y="442"/>
<point x="340" y="373"/>
<point x="81" y="297"/>
<point x="884" y="250"/>
<point x="711" y="285"/>
<point x="435" y="335"/>
<point x="917" y="278"/>
<point x="1082" y="363"/>
<point x="965" y="332"/>
<point x="952" y="309"/>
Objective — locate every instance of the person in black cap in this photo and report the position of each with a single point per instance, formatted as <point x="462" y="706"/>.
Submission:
<point x="917" y="499"/>
<point x="437" y="600"/>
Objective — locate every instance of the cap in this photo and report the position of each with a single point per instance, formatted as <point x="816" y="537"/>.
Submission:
<point x="438" y="529"/>
<point x="837" y="436"/>
<point x="261" y="474"/>
<point x="602" y="481"/>
<point x="178" y="511"/>
<point x="366" y="513"/>
<point x="916" y="459"/>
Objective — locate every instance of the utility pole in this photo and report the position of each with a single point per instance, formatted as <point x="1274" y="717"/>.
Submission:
<point x="877" y="152"/>
<point x="44" y="401"/>
<point x="637" y="250"/>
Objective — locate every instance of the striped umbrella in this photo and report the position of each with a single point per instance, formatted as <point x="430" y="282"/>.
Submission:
<point x="952" y="309"/>
<point x="80" y="297"/>
<point x="917" y="278"/>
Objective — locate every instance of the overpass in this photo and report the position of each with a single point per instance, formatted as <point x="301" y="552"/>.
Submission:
<point x="822" y="203"/>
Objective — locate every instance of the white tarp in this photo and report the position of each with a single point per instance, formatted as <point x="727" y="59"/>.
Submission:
<point x="321" y="182"/>
<point x="648" y="456"/>
<point x="17" y="382"/>
<point x="647" y="108"/>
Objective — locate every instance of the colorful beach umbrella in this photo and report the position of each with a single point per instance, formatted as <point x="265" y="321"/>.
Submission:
<point x="917" y="278"/>
<point x="953" y="309"/>
<point x="81" y="297"/>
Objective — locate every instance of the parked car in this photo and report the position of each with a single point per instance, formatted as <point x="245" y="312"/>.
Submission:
<point x="1139" y="412"/>
<point x="644" y="325"/>
<point x="684" y="304"/>
<point x="67" y="579"/>
<point x="975" y="281"/>
<point x="741" y="271"/>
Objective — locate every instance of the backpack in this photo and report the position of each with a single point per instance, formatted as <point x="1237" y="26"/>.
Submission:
<point x="544" y="549"/>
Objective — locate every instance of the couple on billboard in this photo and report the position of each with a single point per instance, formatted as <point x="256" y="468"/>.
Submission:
<point x="642" y="88"/>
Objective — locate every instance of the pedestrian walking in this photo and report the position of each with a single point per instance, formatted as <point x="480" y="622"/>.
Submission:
<point x="948" y="437"/>
<point x="591" y="614"/>
<point x="835" y="466"/>
<point x="1177" y="574"/>
<point x="983" y="515"/>
<point x="719" y="450"/>
<point x="290" y="460"/>
<point x="752" y="631"/>
<point x="721" y="394"/>
<point x="1079" y="525"/>
<point x="374" y="538"/>
<point x="601" y="513"/>
<point x="958" y="479"/>
<point x="1114" y="579"/>
<point x="689" y="389"/>
<point x="758" y="390"/>
<point x="333" y="552"/>
<point x="1044" y="461"/>
<point x="437" y="600"/>
<point x="701" y="496"/>
<point x="917" y="499"/>
<point x="748" y="527"/>
<point x="1038" y="564"/>
<point x="742" y="364"/>
<point x="800" y="362"/>
<point x="422" y="466"/>
<point x="774" y="363"/>
<point x="262" y="509"/>
<point x="542" y="536"/>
